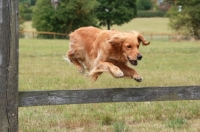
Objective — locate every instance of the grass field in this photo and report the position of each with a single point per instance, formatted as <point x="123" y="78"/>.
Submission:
<point x="165" y="63"/>
<point x="146" y="25"/>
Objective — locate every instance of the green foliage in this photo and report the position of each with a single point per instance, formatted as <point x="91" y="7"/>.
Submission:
<point x="28" y="13"/>
<point x="25" y="2"/>
<point x="72" y="14"/>
<point x="21" y="19"/>
<point x="187" y="21"/>
<point x="28" y="3"/>
<point x="25" y="10"/>
<point x="151" y="13"/>
<point x="115" y="12"/>
<point x="33" y="2"/>
<point x="27" y="16"/>
<point x="28" y="10"/>
<point x="69" y="15"/>
<point x="21" y="13"/>
<point x="144" y="4"/>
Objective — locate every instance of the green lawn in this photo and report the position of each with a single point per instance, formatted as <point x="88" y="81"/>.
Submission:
<point x="146" y="25"/>
<point x="165" y="63"/>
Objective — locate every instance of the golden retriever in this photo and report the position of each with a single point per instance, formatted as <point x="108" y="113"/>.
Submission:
<point x="105" y="50"/>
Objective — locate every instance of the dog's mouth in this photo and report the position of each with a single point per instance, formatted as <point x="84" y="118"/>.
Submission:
<point x="133" y="62"/>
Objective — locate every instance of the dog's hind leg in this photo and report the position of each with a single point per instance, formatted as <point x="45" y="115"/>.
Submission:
<point x="106" y="66"/>
<point x="75" y="61"/>
<point x="95" y="73"/>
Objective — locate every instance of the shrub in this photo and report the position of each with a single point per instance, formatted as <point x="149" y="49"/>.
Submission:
<point x="69" y="15"/>
<point x="28" y="10"/>
<point x="144" y="4"/>
<point x="27" y="16"/>
<point x="187" y="20"/>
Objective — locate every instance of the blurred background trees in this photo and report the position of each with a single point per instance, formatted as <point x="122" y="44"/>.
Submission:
<point x="72" y="14"/>
<point x="110" y="12"/>
<point x="144" y="4"/>
<point x="69" y="15"/>
<point x="184" y="18"/>
<point x="26" y="9"/>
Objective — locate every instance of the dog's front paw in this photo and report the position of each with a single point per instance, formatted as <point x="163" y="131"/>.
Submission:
<point x="138" y="78"/>
<point x="117" y="72"/>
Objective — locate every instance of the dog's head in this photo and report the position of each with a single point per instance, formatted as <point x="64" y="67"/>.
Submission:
<point x="128" y="44"/>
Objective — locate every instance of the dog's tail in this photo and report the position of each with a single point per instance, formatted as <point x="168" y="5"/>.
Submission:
<point x="65" y="58"/>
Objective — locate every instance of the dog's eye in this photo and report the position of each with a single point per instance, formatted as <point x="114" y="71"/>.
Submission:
<point x="129" y="46"/>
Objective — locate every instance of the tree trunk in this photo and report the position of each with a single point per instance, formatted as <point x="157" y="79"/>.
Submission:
<point x="108" y="24"/>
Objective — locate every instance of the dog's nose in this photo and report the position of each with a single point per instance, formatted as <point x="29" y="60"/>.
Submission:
<point x="139" y="56"/>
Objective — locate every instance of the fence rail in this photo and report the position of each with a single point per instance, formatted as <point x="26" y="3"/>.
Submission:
<point x="149" y="36"/>
<point x="34" y="34"/>
<point x="59" y="97"/>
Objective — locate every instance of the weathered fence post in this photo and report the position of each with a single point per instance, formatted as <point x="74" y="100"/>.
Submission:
<point x="33" y="35"/>
<point x="151" y="36"/>
<point x="9" y="65"/>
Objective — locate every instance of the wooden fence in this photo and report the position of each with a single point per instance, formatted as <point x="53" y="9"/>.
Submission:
<point x="34" y="34"/>
<point x="149" y="36"/>
<point x="60" y="97"/>
<point x="11" y="98"/>
<point x="162" y="36"/>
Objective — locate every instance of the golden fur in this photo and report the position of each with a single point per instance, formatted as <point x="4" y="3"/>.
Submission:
<point x="105" y="50"/>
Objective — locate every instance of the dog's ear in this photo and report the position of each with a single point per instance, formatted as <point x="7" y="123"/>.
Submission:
<point x="141" y="39"/>
<point x="116" y="39"/>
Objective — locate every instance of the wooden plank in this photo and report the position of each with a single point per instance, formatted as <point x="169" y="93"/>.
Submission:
<point x="40" y="98"/>
<point x="39" y="32"/>
<point x="9" y="65"/>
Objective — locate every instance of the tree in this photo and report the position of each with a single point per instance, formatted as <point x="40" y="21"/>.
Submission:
<point x="33" y="2"/>
<point x="144" y="4"/>
<point x="117" y="12"/>
<point x="25" y="2"/>
<point x="187" y="20"/>
<point x="28" y="2"/>
<point x="69" y="15"/>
